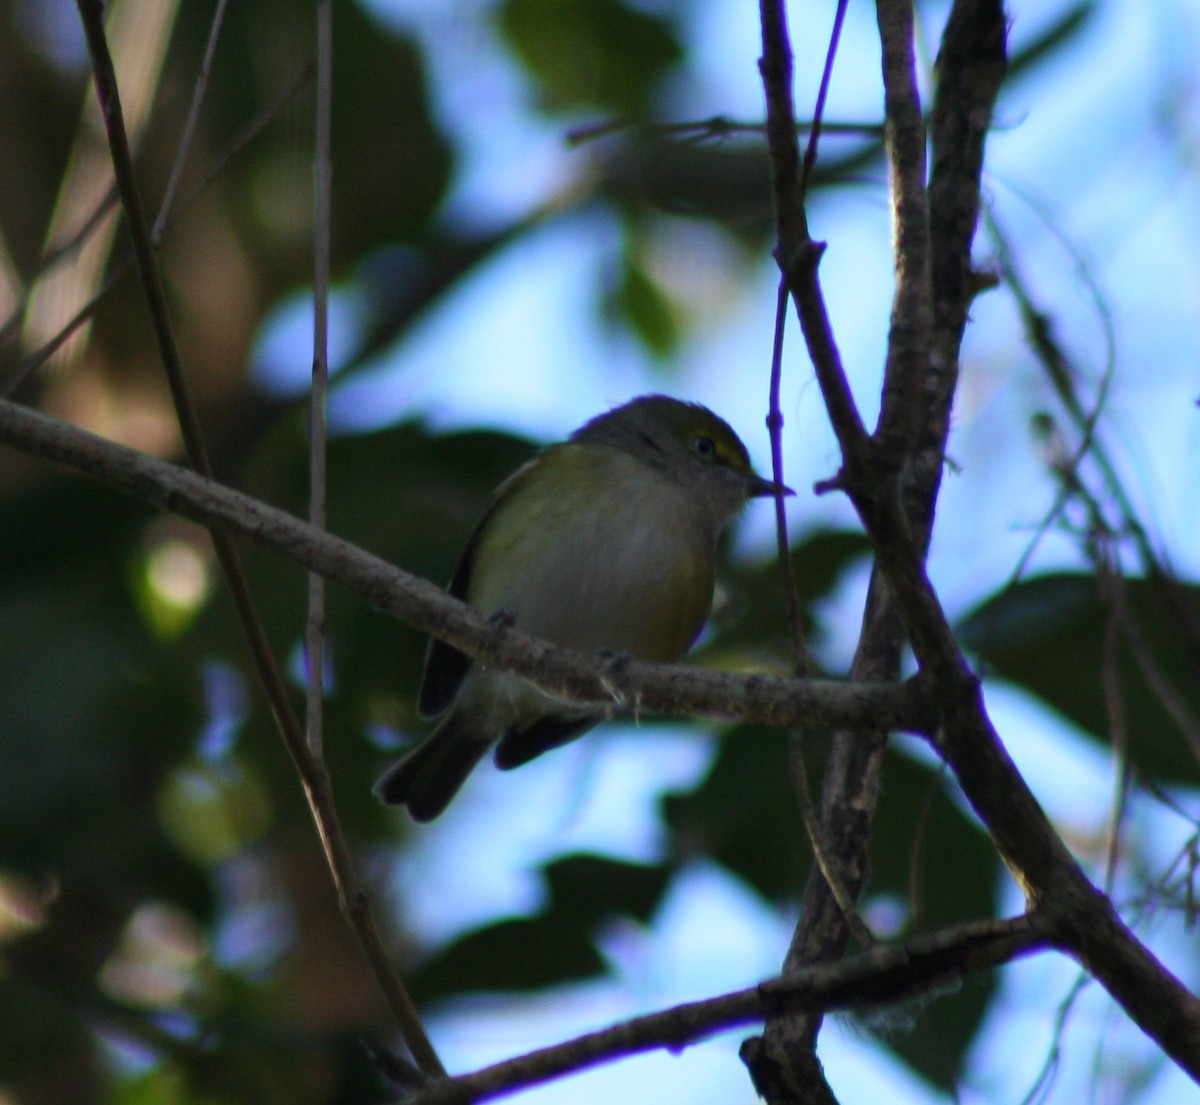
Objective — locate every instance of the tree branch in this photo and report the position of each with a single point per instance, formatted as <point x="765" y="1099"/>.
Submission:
<point x="884" y="975"/>
<point x="313" y="775"/>
<point x="617" y="682"/>
<point x="783" y="1062"/>
<point x="886" y="489"/>
<point x="902" y="410"/>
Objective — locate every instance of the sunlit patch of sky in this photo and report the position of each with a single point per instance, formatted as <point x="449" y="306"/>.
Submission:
<point x="281" y="363"/>
<point x="598" y="795"/>
<point x="53" y="27"/>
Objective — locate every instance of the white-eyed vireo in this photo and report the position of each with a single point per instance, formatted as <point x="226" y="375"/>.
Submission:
<point x="604" y="542"/>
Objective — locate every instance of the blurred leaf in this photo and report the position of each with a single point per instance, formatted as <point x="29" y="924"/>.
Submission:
<point x="48" y="1053"/>
<point x="591" y="53"/>
<point x="211" y="813"/>
<point x="1051" y="636"/>
<point x="642" y="302"/>
<point x="516" y="955"/>
<point x="744" y="814"/>
<point x="929" y="859"/>
<point x="927" y="850"/>
<point x="94" y="709"/>
<point x="1050" y="42"/>
<point x="755" y="617"/>
<point x="726" y="182"/>
<point x="931" y="856"/>
<point x="393" y="164"/>
<point x="586" y="889"/>
<point x="555" y="947"/>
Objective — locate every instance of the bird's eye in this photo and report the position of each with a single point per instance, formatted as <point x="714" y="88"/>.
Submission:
<point x="705" y="447"/>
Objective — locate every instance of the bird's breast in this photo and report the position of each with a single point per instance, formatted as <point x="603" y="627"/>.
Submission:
<point x="629" y="568"/>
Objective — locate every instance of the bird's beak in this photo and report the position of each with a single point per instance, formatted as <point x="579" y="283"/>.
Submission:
<point x="757" y="487"/>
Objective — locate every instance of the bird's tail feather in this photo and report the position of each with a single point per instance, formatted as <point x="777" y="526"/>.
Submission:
<point x="426" y="778"/>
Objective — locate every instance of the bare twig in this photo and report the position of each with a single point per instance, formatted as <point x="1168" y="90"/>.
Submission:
<point x="783" y="544"/>
<point x="716" y="126"/>
<point x="818" y="119"/>
<point x="351" y="896"/>
<point x="825" y="862"/>
<point x="783" y="1060"/>
<point x="189" y="126"/>
<point x="317" y="424"/>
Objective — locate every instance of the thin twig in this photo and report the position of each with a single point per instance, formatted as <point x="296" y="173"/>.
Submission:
<point x="121" y="267"/>
<point x="716" y="126"/>
<point x="783" y="544"/>
<point x="800" y="663"/>
<point x="315" y="780"/>
<point x="818" y="119"/>
<point x="821" y="853"/>
<point x="318" y="423"/>
<point x="189" y="126"/>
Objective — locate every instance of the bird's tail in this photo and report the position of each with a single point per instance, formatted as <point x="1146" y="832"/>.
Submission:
<point x="426" y="778"/>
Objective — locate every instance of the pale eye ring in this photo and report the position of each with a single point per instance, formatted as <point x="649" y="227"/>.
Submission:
<point x="705" y="447"/>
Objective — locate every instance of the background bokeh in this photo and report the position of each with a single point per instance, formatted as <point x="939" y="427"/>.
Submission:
<point x="505" y="266"/>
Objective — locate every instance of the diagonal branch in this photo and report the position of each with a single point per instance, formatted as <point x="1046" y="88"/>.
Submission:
<point x="615" y="681"/>
<point x="351" y="896"/>
<point x="883" y="975"/>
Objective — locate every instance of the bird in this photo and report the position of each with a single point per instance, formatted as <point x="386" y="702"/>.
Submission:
<point x="605" y="542"/>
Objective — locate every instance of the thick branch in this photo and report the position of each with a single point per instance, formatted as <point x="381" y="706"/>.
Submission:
<point x="902" y="411"/>
<point x="783" y="1060"/>
<point x="796" y="252"/>
<point x="883" y="975"/>
<point x="616" y="681"/>
<point x="971" y="67"/>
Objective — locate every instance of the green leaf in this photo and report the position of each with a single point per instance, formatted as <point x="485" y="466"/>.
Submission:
<point x="515" y="956"/>
<point x="555" y="947"/>
<point x="1050" y="42"/>
<point x="931" y="855"/>
<point x="744" y="814"/>
<point x="641" y="301"/>
<point x="928" y="856"/>
<point x="591" y="53"/>
<point x="755" y="616"/>
<point x="1072" y="646"/>
<point x="587" y="889"/>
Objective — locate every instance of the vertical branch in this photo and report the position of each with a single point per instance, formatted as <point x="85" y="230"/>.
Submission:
<point x="912" y="310"/>
<point x="818" y="119"/>
<point x="795" y="251"/>
<point x="782" y="1061"/>
<point x="322" y="187"/>
<point x="971" y="67"/>
<point x="907" y="449"/>
<point x="189" y="126"/>
<point x="795" y="615"/>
